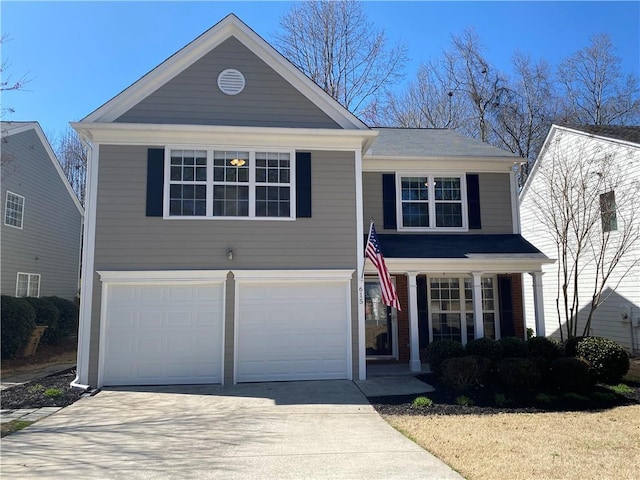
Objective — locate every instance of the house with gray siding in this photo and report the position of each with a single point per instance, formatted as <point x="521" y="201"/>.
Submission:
<point x="42" y="217"/>
<point x="228" y="203"/>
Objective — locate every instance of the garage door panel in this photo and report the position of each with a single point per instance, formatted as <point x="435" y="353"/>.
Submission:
<point x="163" y="334"/>
<point x="292" y="331"/>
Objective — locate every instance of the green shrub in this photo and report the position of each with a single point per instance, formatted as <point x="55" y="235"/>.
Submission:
<point x="464" y="401"/>
<point x="501" y="399"/>
<point x="52" y="392"/>
<point x="18" y="321"/>
<point x="544" y="398"/>
<point x="517" y="373"/>
<point x="46" y="314"/>
<point x="68" y="320"/>
<point x="608" y="361"/>
<point x="571" y="345"/>
<point x="513" y="347"/>
<point x="570" y="374"/>
<point x="440" y="350"/>
<point x="462" y="373"/>
<point x="621" y="388"/>
<point x="544" y="348"/>
<point x="484" y="347"/>
<point x="422" y="402"/>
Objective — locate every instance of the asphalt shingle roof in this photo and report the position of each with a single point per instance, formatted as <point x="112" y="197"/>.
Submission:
<point x="452" y="246"/>
<point x="626" y="133"/>
<point x="431" y="142"/>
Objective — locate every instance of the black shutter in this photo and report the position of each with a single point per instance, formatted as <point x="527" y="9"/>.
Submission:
<point x="507" y="329"/>
<point x="389" y="201"/>
<point x="423" y="311"/>
<point x="155" y="181"/>
<point x="473" y="201"/>
<point x="303" y="184"/>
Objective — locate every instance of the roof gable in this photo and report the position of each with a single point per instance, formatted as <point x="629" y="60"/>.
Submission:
<point x="588" y="131"/>
<point x="230" y="26"/>
<point x="14" y="128"/>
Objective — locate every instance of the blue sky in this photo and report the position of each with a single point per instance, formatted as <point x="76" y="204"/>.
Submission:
<point x="79" y="55"/>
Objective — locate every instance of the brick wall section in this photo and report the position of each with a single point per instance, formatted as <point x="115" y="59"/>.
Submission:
<point x="518" y="305"/>
<point x="402" y="288"/>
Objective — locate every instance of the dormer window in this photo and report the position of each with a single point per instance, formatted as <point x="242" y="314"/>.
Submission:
<point x="428" y="202"/>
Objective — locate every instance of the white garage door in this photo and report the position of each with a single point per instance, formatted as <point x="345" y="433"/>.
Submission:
<point x="163" y="334"/>
<point x="292" y="330"/>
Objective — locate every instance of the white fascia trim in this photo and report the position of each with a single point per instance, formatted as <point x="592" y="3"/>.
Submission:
<point x="267" y="137"/>
<point x="497" y="264"/>
<point x="163" y="277"/>
<point x="192" y="52"/>
<point x="87" y="268"/>
<point x="277" y="276"/>
<point x="462" y="164"/>
<point x="515" y="202"/>
<point x="52" y="156"/>
<point x="362" y="355"/>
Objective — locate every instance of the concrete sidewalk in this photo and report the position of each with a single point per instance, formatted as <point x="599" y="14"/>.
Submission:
<point x="287" y="430"/>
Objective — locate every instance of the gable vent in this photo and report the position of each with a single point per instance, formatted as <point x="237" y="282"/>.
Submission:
<point x="231" y="81"/>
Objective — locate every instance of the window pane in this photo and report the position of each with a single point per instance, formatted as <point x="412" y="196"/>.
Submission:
<point x="13" y="210"/>
<point x="415" y="188"/>
<point x="415" y="214"/>
<point x="447" y="188"/>
<point x="22" y="285"/>
<point x="448" y="214"/>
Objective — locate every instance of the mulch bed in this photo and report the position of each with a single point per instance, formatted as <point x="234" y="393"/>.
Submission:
<point x="484" y="403"/>
<point x="32" y="394"/>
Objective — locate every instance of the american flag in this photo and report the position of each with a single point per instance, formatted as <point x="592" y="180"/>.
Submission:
<point x="373" y="253"/>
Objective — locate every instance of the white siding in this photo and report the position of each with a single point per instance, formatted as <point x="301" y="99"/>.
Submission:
<point x="622" y="289"/>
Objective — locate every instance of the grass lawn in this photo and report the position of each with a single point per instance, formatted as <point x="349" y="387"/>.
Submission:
<point x="511" y="446"/>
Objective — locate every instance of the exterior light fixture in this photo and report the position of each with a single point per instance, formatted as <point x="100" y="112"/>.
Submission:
<point x="230" y="254"/>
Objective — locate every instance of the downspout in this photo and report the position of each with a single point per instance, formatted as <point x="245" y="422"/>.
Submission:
<point x="86" y="275"/>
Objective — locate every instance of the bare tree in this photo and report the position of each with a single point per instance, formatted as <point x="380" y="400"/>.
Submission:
<point x="432" y="100"/>
<point x="340" y="50"/>
<point x="594" y="88"/>
<point x="590" y="205"/>
<point x="73" y="160"/>
<point x="7" y="82"/>
<point x="477" y="80"/>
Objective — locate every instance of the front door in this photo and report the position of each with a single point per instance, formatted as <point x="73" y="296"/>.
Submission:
<point x="379" y="322"/>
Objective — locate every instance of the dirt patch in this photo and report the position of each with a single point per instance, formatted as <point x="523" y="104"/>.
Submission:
<point x="63" y="353"/>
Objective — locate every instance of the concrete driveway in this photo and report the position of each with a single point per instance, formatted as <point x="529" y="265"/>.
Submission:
<point x="288" y="430"/>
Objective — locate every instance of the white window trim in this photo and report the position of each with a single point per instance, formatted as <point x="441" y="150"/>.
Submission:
<point x="6" y="206"/>
<point x="463" y="309"/>
<point x="29" y="277"/>
<point x="432" y="203"/>
<point x="252" y="184"/>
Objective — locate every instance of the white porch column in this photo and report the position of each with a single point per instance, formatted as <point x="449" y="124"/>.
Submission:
<point x="538" y="303"/>
<point x="414" y="350"/>
<point x="478" y="318"/>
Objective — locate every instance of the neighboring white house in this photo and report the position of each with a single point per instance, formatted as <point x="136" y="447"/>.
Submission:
<point x="587" y="149"/>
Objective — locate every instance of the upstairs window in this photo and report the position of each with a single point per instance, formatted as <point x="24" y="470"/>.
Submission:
<point x="230" y="183"/>
<point x="608" y="212"/>
<point x="431" y="202"/>
<point x="13" y="210"/>
<point x="28" y="285"/>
